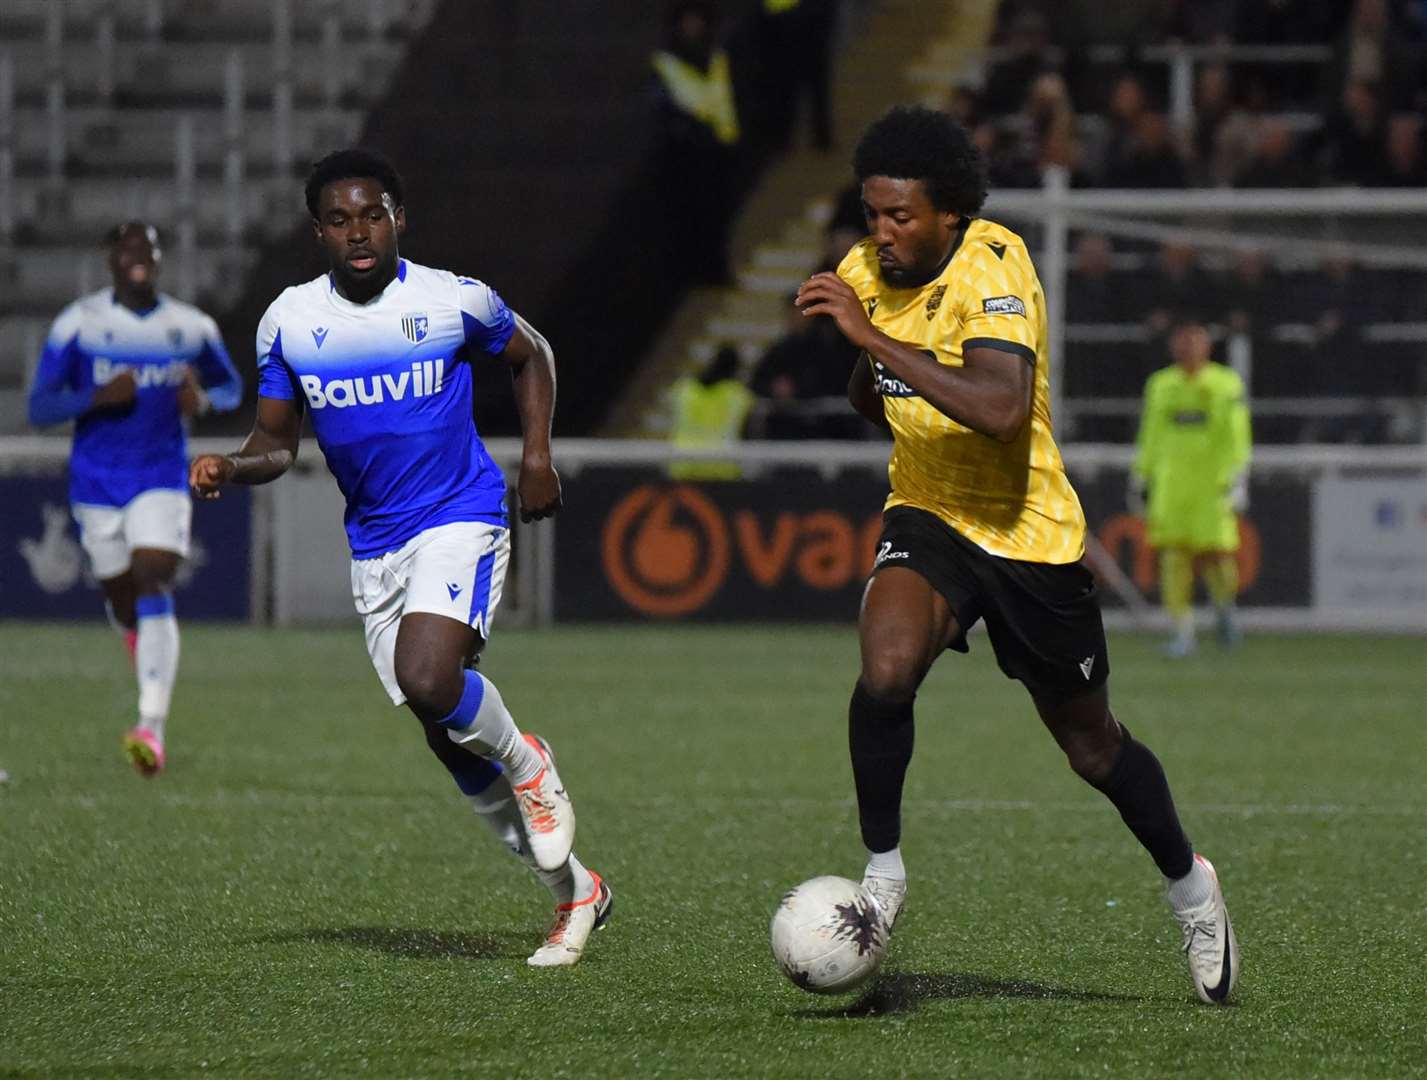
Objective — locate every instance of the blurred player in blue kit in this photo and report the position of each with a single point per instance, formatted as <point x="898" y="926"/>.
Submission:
<point x="379" y="351"/>
<point x="127" y="364"/>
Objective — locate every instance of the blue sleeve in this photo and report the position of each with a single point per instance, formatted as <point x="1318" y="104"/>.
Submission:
<point x="489" y="323"/>
<point x="217" y="373"/>
<point x="52" y="399"/>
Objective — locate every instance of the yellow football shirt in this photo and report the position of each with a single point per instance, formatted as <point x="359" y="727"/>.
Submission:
<point x="1012" y="499"/>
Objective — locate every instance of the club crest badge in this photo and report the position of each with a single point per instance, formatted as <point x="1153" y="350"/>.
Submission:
<point x="414" y="325"/>
<point x="934" y="301"/>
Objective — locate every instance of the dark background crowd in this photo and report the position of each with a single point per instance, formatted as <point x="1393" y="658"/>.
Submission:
<point x="1086" y="85"/>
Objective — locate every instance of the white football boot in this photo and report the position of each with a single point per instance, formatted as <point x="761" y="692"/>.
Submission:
<point x="574" y="923"/>
<point x="890" y="894"/>
<point x="1209" y="944"/>
<point x="546" y="811"/>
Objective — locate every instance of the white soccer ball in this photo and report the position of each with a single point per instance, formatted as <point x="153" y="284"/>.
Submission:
<point x="828" y="935"/>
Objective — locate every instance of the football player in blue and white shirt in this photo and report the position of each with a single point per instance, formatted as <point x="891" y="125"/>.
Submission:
<point x="127" y="364"/>
<point x="379" y="352"/>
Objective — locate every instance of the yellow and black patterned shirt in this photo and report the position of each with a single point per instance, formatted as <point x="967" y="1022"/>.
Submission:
<point x="1012" y="499"/>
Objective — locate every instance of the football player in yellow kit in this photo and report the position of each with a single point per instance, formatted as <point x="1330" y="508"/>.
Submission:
<point x="982" y="522"/>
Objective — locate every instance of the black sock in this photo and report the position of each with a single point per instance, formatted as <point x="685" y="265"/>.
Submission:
<point x="1139" y="790"/>
<point x="879" y="733"/>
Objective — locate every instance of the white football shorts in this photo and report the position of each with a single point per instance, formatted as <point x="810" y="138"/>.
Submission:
<point x="158" y="518"/>
<point x="456" y="570"/>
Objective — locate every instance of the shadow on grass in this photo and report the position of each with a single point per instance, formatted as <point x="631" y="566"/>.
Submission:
<point x="898" y="993"/>
<point x="413" y="944"/>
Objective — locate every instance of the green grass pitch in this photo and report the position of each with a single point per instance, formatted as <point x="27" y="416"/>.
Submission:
<point x="304" y="893"/>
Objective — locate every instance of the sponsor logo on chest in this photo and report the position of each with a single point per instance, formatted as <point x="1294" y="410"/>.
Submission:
<point x="424" y="378"/>
<point x="163" y="373"/>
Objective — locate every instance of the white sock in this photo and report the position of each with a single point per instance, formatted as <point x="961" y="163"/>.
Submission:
<point x="156" y="661"/>
<point x="1184" y="628"/>
<point x="1193" y="889"/>
<point x="886" y="864"/>
<point x="569" y="883"/>
<point x="492" y="732"/>
<point x="496" y="807"/>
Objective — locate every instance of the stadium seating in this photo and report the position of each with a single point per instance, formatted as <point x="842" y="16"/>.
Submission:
<point x="115" y="79"/>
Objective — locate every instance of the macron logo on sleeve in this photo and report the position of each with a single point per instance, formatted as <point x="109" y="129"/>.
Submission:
<point x="425" y="377"/>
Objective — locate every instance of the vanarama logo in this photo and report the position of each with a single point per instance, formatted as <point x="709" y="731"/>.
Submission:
<point x="666" y="552"/>
<point x="669" y="551"/>
<point x="426" y="377"/>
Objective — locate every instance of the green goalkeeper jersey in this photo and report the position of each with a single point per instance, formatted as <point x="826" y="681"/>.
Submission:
<point x="1193" y="444"/>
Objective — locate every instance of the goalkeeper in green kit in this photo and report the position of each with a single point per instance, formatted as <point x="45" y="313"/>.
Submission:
<point x="1191" y="463"/>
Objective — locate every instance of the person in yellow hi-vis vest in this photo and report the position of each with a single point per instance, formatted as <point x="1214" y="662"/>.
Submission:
<point x="696" y="142"/>
<point x="709" y="411"/>
<point x="1192" y="455"/>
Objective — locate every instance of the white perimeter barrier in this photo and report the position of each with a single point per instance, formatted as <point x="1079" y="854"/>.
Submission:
<point x="1364" y="563"/>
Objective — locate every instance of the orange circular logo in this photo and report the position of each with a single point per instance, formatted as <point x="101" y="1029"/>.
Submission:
<point x="665" y="550"/>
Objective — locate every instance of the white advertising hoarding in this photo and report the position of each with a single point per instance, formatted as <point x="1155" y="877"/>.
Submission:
<point x="1370" y="548"/>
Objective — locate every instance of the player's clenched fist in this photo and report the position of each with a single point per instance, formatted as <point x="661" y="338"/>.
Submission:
<point x="539" y="491"/>
<point x="208" y="473"/>
<point x="828" y="294"/>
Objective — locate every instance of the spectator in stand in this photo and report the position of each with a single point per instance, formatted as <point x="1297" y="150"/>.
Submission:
<point x="964" y="105"/>
<point x="1338" y="303"/>
<point x="1041" y="134"/>
<point x="847" y="225"/>
<point x="1148" y="158"/>
<point x="1213" y="107"/>
<point x="1139" y="151"/>
<point x="1200" y="22"/>
<point x="1371" y="50"/>
<point x="797" y="47"/>
<point x="1275" y="163"/>
<point x="1285" y="22"/>
<point x="696" y="142"/>
<point x="1354" y="138"/>
<point x="1225" y="131"/>
<point x="811" y="361"/>
<point x="1253" y="293"/>
<point x="1029" y="50"/>
<point x="1180" y="286"/>
<point x="1127" y="103"/>
<point x="1406" y="161"/>
<point x="1093" y="295"/>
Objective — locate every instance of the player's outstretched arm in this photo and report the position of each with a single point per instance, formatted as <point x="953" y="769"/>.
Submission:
<point x="989" y="393"/>
<point x="532" y="363"/>
<point x="267" y="452"/>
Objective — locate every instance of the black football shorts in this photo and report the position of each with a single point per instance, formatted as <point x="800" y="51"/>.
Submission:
<point x="1043" y="620"/>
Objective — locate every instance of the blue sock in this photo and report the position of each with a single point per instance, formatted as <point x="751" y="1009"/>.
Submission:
<point x="472" y="773"/>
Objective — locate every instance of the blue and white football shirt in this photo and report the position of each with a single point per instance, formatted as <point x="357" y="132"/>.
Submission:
<point x="120" y="453"/>
<point x="389" y="390"/>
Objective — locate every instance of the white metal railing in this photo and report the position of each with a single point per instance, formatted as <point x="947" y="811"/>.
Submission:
<point x="572" y="455"/>
<point x="1058" y="208"/>
<point x="307" y="506"/>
